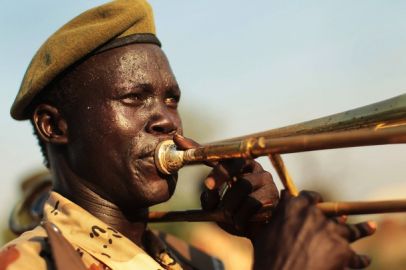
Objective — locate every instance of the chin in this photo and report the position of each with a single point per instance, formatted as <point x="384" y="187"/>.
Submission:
<point x="161" y="191"/>
<point x="152" y="192"/>
<point x="148" y="185"/>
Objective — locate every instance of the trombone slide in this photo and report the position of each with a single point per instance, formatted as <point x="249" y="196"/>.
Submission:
<point x="328" y="208"/>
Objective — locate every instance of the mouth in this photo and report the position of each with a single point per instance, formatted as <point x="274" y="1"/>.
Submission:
<point x="145" y="173"/>
<point x="144" y="163"/>
<point x="147" y="152"/>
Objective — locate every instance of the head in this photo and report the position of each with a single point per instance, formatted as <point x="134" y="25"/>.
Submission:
<point x="123" y="101"/>
<point x="101" y="95"/>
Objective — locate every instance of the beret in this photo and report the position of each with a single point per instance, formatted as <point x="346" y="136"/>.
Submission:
<point x="114" y="24"/>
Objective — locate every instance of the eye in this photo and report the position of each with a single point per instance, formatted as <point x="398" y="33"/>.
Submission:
<point x="131" y="99"/>
<point x="172" y="101"/>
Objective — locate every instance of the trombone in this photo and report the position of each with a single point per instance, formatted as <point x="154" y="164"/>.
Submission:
<point x="375" y="124"/>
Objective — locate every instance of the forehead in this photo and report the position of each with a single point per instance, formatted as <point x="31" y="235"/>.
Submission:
<point x="125" y="67"/>
<point x="142" y="62"/>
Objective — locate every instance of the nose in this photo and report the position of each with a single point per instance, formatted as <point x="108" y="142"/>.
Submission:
<point x="161" y="124"/>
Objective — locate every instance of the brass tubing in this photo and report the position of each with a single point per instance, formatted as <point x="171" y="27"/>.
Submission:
<point x="359" y="208"/>
<point x="380" y="123"/>
<point x="284" y="176"/>
<point x="170" y="160"/>
<point x="328" y="208"/>
<point x="352" y="138"/>
<point x="199" y="215"/>
<point x="262" y="146"/>
<point x="373" y="115"/>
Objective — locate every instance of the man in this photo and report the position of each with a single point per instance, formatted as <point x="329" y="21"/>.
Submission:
<point x="101" y="95"/>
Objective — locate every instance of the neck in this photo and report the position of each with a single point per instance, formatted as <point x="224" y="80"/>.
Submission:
<point x="101" y="208"/>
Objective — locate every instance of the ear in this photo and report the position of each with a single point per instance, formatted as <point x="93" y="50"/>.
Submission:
<point x="50" y="124"/>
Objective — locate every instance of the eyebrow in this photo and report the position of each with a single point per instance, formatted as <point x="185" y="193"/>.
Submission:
<point x="147" y="87"/>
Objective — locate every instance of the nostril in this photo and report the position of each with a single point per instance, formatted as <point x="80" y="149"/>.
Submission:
<point x="162" y="128"/>
<point x="162" y="124"/>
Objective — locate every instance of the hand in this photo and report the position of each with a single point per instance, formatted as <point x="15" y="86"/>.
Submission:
<point x="299" y="236"/>
<point x="249" y="189"/>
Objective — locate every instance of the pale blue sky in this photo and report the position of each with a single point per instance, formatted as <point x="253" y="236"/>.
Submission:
<point x="277" y="62"/>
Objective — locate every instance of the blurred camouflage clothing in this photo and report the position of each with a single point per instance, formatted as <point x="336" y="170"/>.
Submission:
<point x="100" y="247"/>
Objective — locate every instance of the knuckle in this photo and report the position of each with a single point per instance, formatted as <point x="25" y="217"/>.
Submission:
<point x="257" y="166"/>
<point x="261" y="181"/>
<point x="264" y="179"/>
<point x="300" y="201"/>
<point x="267" y="176"/>
<point x="271" y="192"/>
<point x="264" y="196"/>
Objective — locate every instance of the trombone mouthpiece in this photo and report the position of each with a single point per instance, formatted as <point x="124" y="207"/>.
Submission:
<point x="168" y="159"/>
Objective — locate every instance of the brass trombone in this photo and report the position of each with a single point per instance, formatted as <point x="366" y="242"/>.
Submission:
<point x="376" y="124"/>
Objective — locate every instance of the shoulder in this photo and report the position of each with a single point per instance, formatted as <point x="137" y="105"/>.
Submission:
<point x="28" y="251"/>
<point x="189" y="254"/>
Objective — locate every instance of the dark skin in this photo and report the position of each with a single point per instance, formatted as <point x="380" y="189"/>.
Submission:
<point x="100" y="154"/>
<point x="304" y="239"/>
<point x="298" y="235"/>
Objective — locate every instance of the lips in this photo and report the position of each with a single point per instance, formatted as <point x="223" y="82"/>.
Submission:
<point x="147" y="152"/>
<point x="144" y="161"/>
<point x="147" y="177"/>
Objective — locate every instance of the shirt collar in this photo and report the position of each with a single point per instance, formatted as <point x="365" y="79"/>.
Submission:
<point x="98" y="239"/>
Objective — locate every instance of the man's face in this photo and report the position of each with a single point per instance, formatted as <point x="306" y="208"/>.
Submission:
<point x="126" y="103"/>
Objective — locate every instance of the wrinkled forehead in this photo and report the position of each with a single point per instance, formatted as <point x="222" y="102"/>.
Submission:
<point x="143" y="63"/>
<point x="125" y="67"/>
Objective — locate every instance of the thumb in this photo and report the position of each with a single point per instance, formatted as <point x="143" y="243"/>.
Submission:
<point x="183" y="143"/>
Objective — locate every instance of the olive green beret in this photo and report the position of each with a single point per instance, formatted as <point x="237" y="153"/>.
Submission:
<point x="111" y="25"/>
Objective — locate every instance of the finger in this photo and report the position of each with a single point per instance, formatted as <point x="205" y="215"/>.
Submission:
<point x="210" y="183"/>
<point x="225" y="171"/>
<point x="209" y="199"/>
<point x="341" y="219"/>
<point x="353" y="232"/>
<point x="258" y="179"/>
<point x="263" y="188"/>
<point x="248" y="208"/>
<point x="299" y="206"/>
<point x="359" y="261"/>
<point x="221" y="174"/>
<point x="240" y="189"/>
<point x="285" y="195"/>
<point x="265" y="196"/>
<point x="251" y="166"/>
<point x="312" y="197"/>
<point x="235" y="196"/>
<point x="246" y="185"/>
<point x="184" y="143"/>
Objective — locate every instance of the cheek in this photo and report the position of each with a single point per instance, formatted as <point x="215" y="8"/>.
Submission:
<point x="103" y="131"/>
<point x="114" y="124"/>
<point x="126" y="121"/>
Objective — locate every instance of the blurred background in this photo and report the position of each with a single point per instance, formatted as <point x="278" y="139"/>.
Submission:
<point x="245" y="67"/>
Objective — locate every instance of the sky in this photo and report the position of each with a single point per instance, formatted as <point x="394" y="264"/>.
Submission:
<point x="244" y="67"/>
